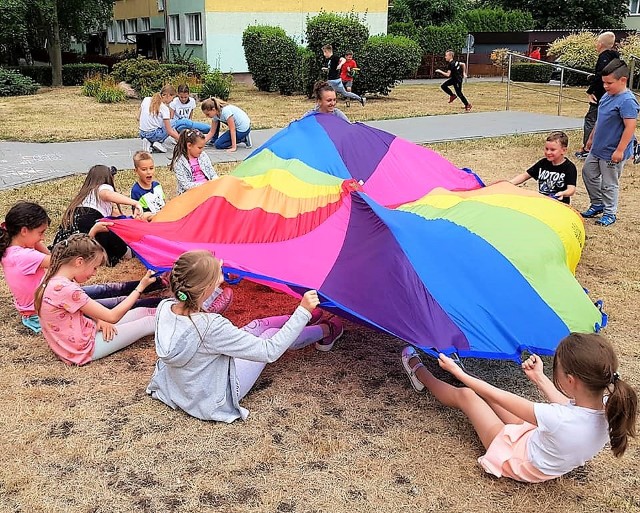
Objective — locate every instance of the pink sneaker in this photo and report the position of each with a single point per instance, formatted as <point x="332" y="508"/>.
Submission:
<point x="336" y="330"/>
<point x="316" y="317"/>
<point x="222" y="302"/>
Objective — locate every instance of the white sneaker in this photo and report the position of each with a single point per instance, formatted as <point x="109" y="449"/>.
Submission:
<point x="247" y="141"/>
<point x="146" y="145"/>
<point x="158" y="147"/>
<point x="363" y="101"/>
<point x="170" y="140"/>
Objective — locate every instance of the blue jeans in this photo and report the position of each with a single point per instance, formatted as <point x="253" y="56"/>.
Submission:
<point x="224" y="141"/>
<point x="338" y="87"/>
<point x="157" y="135"/>
<point x="184" y="123"/>
<point x="111" y="294"/>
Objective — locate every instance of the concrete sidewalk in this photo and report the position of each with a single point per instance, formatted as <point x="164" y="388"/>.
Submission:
<point x="23" y="163"/>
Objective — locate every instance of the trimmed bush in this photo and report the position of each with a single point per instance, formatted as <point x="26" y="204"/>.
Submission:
<point x="531" y="72"/>
<point x="439" y="39"/>
<point x="175" y="69"/>
<point x="384" y="61"/>
<point x="146" y="76"/>
<point x="40" y="74"/>
<point x="74" y="74"/>
<point x="271" y="57"/>
<point x="404" y="29"/>
<point x="496" y="20"/>
<point x="305" y="71"/>
<point x="216" y="84"/>
<point x="13" y="83"/>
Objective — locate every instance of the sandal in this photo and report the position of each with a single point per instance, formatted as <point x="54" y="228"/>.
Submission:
<point x="408" y="353"/>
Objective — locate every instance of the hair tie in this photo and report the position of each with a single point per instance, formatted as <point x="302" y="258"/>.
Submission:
<point x="181" y="296"/>
<point x="3" y="225"/>
<point x="614" y="377"/>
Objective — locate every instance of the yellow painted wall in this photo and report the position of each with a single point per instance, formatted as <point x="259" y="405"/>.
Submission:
<point x="125" y="9"/>
<point x="358" y="6"/>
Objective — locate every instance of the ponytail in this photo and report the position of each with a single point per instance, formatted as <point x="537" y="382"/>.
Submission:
<point x="621" y="410"/>
<point x="156" y="99"/>
<point x="22" y="215"/>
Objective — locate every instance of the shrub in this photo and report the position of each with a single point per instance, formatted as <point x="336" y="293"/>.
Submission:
<point x="194" y="83"/>
<point x="384" y="61"/>
<point x="404" y="29"/>
<point x="146" y="76"/>
<point x="40" y="74"/>
<point x="174" y="69"/>
<point x="631" y="46"/>
<point x="271" y="56"/>
<point x="496" y="20"/>
<point x="500" y="58"/>
<point x="576" y="50"/>
<point x="434" y="39"/>
<point x="399" y="12"/>
<point x="92" y="85"/>
<point x="74" y="74"/>
<point x="13" y="83"/>
<point x="109" y="92"/>
<point x="198" y="67"/>
<point x="216" y="84"/>
<point x="531" y="72"/>
<point x="305" y="71"/>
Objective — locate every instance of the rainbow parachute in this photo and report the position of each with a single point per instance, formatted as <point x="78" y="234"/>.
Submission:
<point x="392" y="236"/>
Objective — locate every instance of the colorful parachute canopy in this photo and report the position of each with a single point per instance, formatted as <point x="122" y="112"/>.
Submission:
<point x="391" y="235"/>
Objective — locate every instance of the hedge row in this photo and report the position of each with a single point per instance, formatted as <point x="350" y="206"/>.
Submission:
<point x="531" y="72"/>
<point x="72" y="74"/>
<point x="13" y="83"/>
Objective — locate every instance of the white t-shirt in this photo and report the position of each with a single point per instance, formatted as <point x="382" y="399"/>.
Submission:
<point x="240" y="117"/>
<point x="93" y="201"/>
<point x="182" y="110"/>
<point x="150" y="122"/>
<point x="567" y="436"/>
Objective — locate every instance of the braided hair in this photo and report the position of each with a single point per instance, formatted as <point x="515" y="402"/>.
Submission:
<point x="192" y="275"/>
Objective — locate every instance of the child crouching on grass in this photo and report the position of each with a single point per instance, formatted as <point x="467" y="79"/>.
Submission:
<point x="206" y="365"/>
<point x="589" y="405"/>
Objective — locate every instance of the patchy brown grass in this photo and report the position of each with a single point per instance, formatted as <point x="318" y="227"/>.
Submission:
<point x="63" y="114"/>
<point x="336" y="432"/>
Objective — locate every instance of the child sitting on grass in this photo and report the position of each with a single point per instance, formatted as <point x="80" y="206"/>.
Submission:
<point x="556" y="175"/>
<point x="146" y="190"/>
<point x="190" y="163"/>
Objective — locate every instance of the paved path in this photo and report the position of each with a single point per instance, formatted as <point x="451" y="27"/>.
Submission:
<point x="23" y="163"/>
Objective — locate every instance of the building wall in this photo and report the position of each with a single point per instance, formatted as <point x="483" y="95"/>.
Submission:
<point x="181" y="8"/>
<point x="128" y="9"/>
<point x="225" y="23"/>
<point x="632" y="22"/>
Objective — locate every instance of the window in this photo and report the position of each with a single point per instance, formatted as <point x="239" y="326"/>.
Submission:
<point x="145" y="24"/>
<point x="193" y="28"/>
<point x="120" y="31"/>
<point x="174" y="28"/>
<point x="634" y="7"/>
<point x="132" y="26"/>
<point x="110" y="37"/>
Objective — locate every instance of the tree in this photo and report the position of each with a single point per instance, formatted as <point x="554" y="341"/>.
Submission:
<point x="435" y="12"/>
<point x="13" y="14"/>
<point x="54" y="22"/>
<point x="571" y="14"/>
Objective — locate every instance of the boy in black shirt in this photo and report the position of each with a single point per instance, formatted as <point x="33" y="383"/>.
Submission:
<point x="456" y="72"/>
<point x="556" y="174"/>
<point x="333" y="66"/>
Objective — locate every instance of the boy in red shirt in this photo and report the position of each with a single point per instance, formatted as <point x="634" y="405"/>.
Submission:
<point x="347" y="72"/>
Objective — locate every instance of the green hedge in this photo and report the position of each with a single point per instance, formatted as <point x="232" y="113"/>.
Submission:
<point x="406" y="29"/>
<point x="305" y="71"/>
<point x="175" y="69"/>
<point x="384" y="61"/>
<point x="146" y="76"/>
<point x="577" y="79"/>
<point x="531" y="72"/>
<point x="271" y="57"/>
<point x="439" y="39"/>
<point x="13" y="83"/>
<point x="72" y="74"/>
<point x="496" y="20"/>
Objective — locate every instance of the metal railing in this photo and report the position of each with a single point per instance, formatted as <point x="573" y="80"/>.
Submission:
<point x="554" y="65"/>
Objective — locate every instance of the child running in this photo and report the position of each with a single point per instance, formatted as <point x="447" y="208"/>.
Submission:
<point x="190" y="163"/>
<point x="93" y="202"/>
<point x="236" y="120"/>
<point x="206" y="365"/>
<point x="456" y="73"/>
<point x="77" y="328"/>
<point x="155" y="120"/>
<point x="533" y="442"/>
<point x="182" y="107"/>
<point x="146" y="190"/>
<point x="333" y="66"/>
<point x="556" y="175"/>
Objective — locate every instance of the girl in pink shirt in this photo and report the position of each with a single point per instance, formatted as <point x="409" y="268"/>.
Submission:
<point x="190" y="163"/>
<point x="77" y="328"/>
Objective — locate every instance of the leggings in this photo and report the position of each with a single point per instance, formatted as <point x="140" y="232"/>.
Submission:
<point x="112" y="294"/>
<point x="247" y="371"/>
<point x="135" y="324"/>
<point x="457" y="85"/>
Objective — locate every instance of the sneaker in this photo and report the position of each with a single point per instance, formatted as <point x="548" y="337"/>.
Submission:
<point x="158" y="147"/>
<point x="247" y="141"/>
<point x="468" y="107"/>
<point x="409" y="353"/>
<point x="363" y="101"/>
<point x="336" y="330"/>
<point x="582" y="154"/>
<point x="636" y="152"/>
<point x="606" y="220"/>
<point x="222" y="302"/>
<point x="316" y="317"/>
<point x="146" y="145"/>
<point x="452" y="98"/>
<point x="593" y="211"/>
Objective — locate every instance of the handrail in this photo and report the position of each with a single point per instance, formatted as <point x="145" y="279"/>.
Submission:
<point x="554" y="64"/>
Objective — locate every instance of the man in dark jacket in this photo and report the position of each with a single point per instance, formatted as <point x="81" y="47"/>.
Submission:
<point x="606" y="54"/>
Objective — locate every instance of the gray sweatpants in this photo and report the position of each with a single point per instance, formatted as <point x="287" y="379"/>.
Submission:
<point x="601" y="178"/>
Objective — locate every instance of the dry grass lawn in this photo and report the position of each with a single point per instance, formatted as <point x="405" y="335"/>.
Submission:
<point x="39" y="117"/>
<point x="332" y="433"/>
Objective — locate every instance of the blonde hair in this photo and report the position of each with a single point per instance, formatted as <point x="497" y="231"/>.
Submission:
<point x="78" y="245"/>
<point x="213" y="103"/>
<point x="192" y="275"/>
<point x="607" y="40"/>
<point x="156" y="99"/>
<point x="139" y="156"/>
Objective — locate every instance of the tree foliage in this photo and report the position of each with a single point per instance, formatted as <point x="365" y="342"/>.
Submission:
<point x="435" y="12"/>
<point x="450" y="36"/>
<point x="496" y="20"/>
<point x="576" y="50"/>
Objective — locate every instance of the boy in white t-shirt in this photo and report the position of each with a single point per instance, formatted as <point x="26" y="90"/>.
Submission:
<point x="155" y="120"/>
<point x="182" y="107"/>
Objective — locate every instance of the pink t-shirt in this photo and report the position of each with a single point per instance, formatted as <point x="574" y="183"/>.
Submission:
<point x="68" y="332"/>
<point x="23" y="274"/>
<point x="198" y="175"/>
